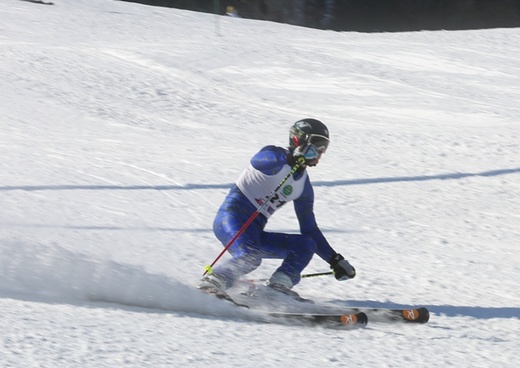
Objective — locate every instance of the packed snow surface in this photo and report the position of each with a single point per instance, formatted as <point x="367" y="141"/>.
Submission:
<point x="123" y="126"/>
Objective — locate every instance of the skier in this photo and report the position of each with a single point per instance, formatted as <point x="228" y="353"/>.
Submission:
<point x="308" y="139"/>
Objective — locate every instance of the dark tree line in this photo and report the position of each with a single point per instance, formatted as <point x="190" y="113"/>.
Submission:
<point x="371" y="15"/>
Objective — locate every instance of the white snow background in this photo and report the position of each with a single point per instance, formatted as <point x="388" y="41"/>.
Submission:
<point x="123" y="126"/>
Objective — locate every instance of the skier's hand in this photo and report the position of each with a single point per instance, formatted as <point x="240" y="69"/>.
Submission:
<point x="341" y="268"/>
<point x="308" y="151"/>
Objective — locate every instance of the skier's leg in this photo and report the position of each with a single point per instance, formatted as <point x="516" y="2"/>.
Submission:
<point x="246" y="256"/>
<point x="296" y="251"/>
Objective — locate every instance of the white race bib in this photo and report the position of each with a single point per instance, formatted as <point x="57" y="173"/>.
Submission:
<point x="257" y="187"/>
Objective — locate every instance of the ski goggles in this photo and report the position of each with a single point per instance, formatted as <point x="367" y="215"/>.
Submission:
<point x="319" y="141"/>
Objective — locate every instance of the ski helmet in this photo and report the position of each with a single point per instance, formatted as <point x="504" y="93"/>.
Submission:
<point x="307" y="131"/>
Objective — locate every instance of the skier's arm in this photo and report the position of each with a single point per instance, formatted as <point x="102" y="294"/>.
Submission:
<point x="304" y="207"/>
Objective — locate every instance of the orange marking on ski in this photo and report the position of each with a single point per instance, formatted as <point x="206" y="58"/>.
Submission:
<point x="348" y="319"/>
<point x="410" y="314"/>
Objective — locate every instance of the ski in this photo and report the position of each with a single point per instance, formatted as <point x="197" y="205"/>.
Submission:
<point x="359" y="319"/>
<point x="413" y="315"/>
<point x="224" y="296"/>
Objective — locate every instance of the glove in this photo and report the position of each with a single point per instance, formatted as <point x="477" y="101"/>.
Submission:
<point x="308" y="151"/>
<point x="341" y="268"/>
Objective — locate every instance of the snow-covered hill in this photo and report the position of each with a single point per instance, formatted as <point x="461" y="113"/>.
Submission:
<point x="122" y="127"/>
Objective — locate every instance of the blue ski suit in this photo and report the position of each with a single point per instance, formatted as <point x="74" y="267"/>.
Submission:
<point x="266" y="170"/>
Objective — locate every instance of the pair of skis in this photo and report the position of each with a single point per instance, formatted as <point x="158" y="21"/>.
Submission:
<point x="359" y="316"/>
<point x="351" y="317"/>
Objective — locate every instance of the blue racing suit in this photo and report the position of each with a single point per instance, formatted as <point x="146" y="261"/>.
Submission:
<point x="246" y="197"/>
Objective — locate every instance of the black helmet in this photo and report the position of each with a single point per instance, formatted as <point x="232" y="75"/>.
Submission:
<point x="307" y="131"/>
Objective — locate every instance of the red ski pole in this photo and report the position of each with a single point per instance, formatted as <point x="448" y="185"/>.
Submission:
<point x="300" y="161"/>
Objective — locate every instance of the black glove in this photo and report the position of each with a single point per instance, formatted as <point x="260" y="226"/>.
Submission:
<point x="341" y="268"/>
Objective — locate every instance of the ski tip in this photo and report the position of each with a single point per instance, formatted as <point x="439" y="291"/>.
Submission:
<point x="417" y="315"/>
<point x="360" y="318"/>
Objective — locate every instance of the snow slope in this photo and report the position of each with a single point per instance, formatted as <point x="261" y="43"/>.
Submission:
<point x="122" y="127"/>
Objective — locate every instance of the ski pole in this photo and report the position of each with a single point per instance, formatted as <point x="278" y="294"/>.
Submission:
<point x="303" y="276"/>
<point x="317" y="274"/>
<point x="300" y="161"/>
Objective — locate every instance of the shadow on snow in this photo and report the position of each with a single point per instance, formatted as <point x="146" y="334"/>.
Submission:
<point x="452" y="176"/>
